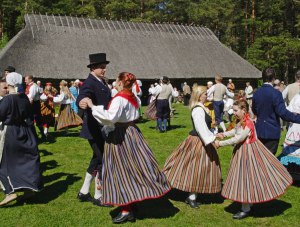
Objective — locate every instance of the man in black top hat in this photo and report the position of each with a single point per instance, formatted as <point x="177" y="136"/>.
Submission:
<point x="95" y="88"/>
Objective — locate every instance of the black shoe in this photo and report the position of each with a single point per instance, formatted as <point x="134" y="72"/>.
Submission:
<point x="241" y="215"/>
<point x="99" y="203"/>
<point x="123" y="218"/>
<point x="192" y="203"/>
<point x="85" y="197"/>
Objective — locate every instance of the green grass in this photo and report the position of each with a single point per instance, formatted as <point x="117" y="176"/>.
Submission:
<point x="64" y="160"/>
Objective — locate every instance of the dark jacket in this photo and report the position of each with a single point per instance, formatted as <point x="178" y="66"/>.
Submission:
<point x="268" y="105"/>
<point x="100" y="94"/>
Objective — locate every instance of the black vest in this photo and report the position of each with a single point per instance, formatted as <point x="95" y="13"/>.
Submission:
<point x="208" y="122"/>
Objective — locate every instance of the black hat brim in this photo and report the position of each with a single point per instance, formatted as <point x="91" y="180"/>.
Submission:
<point x="98" y="63"/>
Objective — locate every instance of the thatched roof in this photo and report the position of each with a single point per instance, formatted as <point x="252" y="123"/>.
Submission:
<point x="58" y="47"/>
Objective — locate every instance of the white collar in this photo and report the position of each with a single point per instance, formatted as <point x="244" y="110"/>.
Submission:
<point x="269" y="83"/>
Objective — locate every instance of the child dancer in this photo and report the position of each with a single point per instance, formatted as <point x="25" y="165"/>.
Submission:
<point x="255" y="174"/>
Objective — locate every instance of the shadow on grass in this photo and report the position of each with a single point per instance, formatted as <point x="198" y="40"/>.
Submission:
<point x="143" y="120"/>
<point x="50" y="192"/>
<point x="296" y="182"/>
<point x="170" y="127"/>
<point x="181" y="196"/>
<point x="56" y="189"/>
<point x="268" y="209"/>
<point x="51" y="138"/>
<point x="45" y="153"/>
<point x="154" y="208"/>
<point x="52" y="164"/>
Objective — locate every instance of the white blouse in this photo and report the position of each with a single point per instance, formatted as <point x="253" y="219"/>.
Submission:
<point x="120" y="110"/>
<point x="238" y="135"/>
<point x="198" y="115"/>
<point x="62" y="99"/>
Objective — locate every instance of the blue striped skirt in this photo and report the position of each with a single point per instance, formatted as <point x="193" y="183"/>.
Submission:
<point x="130" y="172"/>
<point x="193" y="167"/>
<point x="255" y="175"/>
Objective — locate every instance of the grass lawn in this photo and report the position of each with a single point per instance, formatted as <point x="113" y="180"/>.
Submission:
<point x="64" y="160"/>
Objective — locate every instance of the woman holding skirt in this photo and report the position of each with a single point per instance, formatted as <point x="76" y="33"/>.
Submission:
<point x="194" y="166"/>
<point x="67" y="118"/>
<point x="255" y="174"/>
<point x="130" y="172"/>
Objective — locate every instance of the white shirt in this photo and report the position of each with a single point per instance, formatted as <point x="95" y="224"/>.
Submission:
<point x="120" y="110"/>
<point x="211" y="91"/>
<point x="134" y="90"/>
<point x="157" y="90"/>
<point x="62" y="99"/>
<point x="113" y="92"/>
<point x="175" y="93"/>
<point x="249" y="92"/>
<point x="238" y="135"/>
<point x="198" y="115"/>
<point x="43" y="97"/>
<point x="294" y="105"/>
<point x="34" y="92"/>
<point x="228" y="103"/>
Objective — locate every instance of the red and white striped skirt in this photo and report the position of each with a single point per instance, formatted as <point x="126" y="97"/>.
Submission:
<point x="193" y="167"/>
<point x="255" y="175"/>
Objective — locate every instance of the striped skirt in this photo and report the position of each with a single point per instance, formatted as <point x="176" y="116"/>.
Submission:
<point x="255" y="175"/>
<point x="67" y="118"/>
<point x="130" y="172"/>
<point x="193" y="167"/>
<point x="151" y="110"/>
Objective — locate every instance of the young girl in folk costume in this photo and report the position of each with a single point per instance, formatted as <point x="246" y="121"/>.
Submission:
<point x="130" y="172"/>
<point x="255" y="174"/>
<point x="67" y="118"/>
<point x="194" y="166"/>
<point x="47" y="107"/>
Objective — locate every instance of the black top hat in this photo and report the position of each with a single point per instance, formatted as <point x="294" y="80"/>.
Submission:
<point x="98" y="58"/>
<point x="10" y="69"/>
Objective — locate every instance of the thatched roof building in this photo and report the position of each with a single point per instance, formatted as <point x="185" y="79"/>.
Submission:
<point x="57" y="47"/>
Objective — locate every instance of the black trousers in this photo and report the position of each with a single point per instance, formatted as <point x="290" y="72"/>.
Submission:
<point x="271" y="144"/>
<point x="97" y="146"/>
<point x="186" y="99"/>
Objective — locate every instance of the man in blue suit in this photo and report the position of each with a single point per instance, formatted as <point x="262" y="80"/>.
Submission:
<point x="95" y="88"/>
<point x="268" y="106"/>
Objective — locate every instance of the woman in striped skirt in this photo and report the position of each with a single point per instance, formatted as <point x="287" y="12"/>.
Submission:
<point x="130" y="172"/>
<point x="194" y="165"/>
<point x="255" y="174"/>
